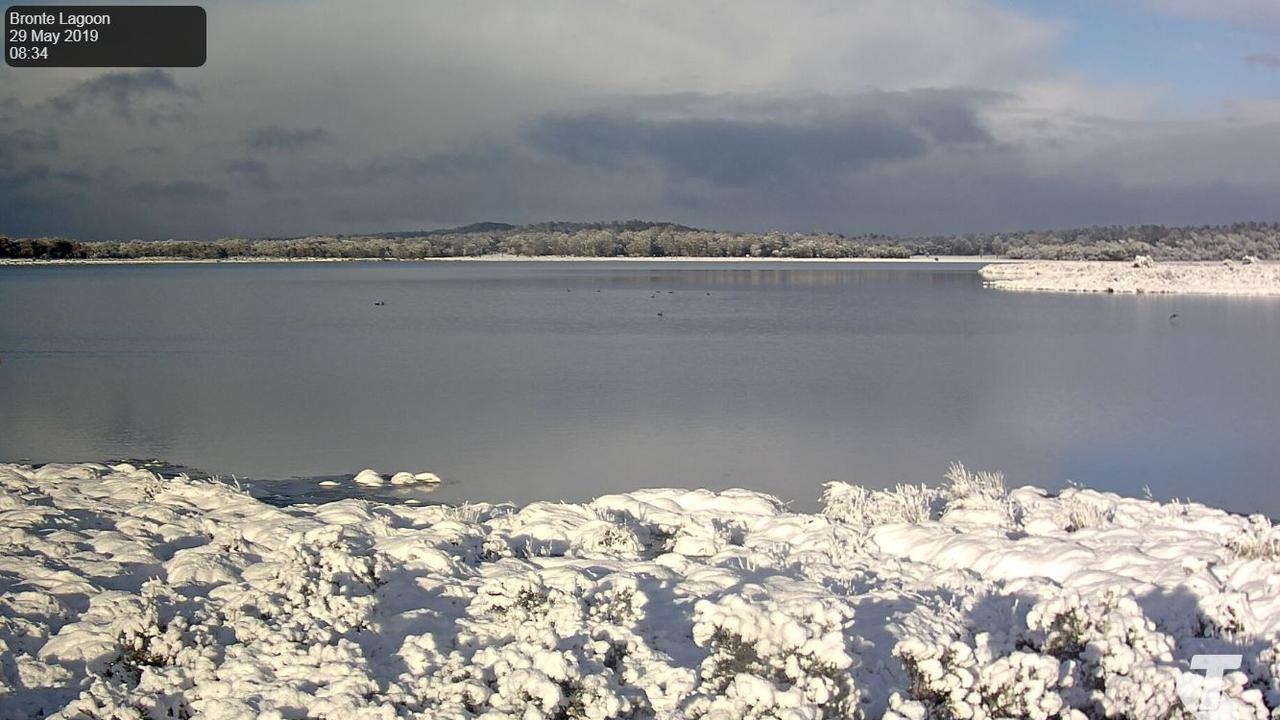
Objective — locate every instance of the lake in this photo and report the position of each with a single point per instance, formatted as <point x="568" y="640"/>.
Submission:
<point x="565" y="380"/>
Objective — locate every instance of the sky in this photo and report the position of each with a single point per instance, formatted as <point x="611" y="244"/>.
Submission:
<point x="906" y="117"/>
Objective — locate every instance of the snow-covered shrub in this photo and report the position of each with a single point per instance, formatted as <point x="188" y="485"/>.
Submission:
<point x="1076" y="512"/>
<point x="1119" y="663"/>
<point x="142" y="647"/>
<point x="774" y="653"/>
<point x="978" y="497"/>
<point x="1144" y="261"/>
<point x="964" y="484"/>
<point x="319" y="583"/>
<point x="858" y="506"/>
<point x="1078" y="656"/>
<point x="604" y="537"/>
<point x="961" y="681"/>
<point x="515" y="605"/>
<point x="1259" y="541"/>
<point x="615" y="600"/>
<point x="1226" y="616"/>
<point x="557" y="678"/>
<point x="512" y="601"/>
<point x="1266" y="672"/>
<point x="556" y="647"/>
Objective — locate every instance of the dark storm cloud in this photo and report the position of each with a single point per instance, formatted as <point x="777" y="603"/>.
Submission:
<point x="9" y="107"/>
<point x="727" y="152"/>
<point x="37" y="199"/>
<point x="176" y="191"/>
<point x="1271" y="60"/>
<point x="129" y="95"/>
<point x="253" y="171"/>
<point x="28" y="141"/>
<point x="274" y="137"/>
<point x="839" y="136"/>
<point x="33" y="178"/>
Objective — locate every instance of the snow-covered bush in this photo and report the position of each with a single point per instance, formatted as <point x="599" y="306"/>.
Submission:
<point x="964" y="484"/>
<point x="957" y="680"/>
<point x="318" y="584"/>
<point x="140" y="647"/>
<point x="1119" y="663"/>
<point x="858" y="506"/>
<point x="1077" y="656"/>
<point x="1266" y="672"/>
<point x="552" y="677"/>
<point x="1225" y="616"/>
<point x="773" y="655"/>
<point x="604" y="537"/>
<point x="977" y="497"/>
<point x="1076" y="512"/>
<point x="1259" y="541"/>
<point x="1143" y="261"/>
<point x="539" y="649"/>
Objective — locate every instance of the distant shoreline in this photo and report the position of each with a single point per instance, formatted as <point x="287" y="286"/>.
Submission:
<point x="975" y="259"/>
<point x="1259" y="279"/>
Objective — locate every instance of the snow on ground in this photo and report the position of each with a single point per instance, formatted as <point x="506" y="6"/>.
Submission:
<point x="1141" y="276"/>
<point x="124" y="595"/>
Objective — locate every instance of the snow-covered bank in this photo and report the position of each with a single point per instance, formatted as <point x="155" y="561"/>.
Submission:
<point x="1142" y="276"/>
<point x="125" y="595"/>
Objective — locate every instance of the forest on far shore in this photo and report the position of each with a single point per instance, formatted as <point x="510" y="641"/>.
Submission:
<point x="637" y="238"/>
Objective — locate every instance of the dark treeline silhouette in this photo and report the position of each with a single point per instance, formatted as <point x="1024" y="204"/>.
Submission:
<point x="636" y="238"/>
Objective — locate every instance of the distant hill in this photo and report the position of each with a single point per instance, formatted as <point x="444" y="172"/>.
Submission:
<point x="479" y="227"/>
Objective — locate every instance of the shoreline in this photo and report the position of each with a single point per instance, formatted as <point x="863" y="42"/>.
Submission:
<point x="1143" y="277"/>
<point x="921" y="259"/>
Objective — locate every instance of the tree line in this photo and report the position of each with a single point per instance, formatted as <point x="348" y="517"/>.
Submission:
<point x="636" y="238"/>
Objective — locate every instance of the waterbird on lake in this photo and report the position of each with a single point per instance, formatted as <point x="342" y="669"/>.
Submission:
<point x="379" y="303"/>
<point x="1173" y="319"/>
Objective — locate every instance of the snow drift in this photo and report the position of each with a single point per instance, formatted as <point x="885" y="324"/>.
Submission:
<point x="123" y="595"/>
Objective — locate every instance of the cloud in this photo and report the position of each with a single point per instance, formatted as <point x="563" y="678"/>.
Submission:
<point x="25" y="140"/>
<point x="844" y="135"/>
<point x="875" y="115"/>
<point x="127" y="94"/>
<point x="274" y="137"/>
<point x="1253" y="14"/>
<point x="252" y="171"/>
<point x="179" y="191"/>
<point x="1271" y="60"/>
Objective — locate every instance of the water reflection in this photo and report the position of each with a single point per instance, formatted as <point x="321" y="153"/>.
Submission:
<point x="519" y="381"/>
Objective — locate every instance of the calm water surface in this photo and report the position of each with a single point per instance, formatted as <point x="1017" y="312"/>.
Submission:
<point x="522" y="381"/>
